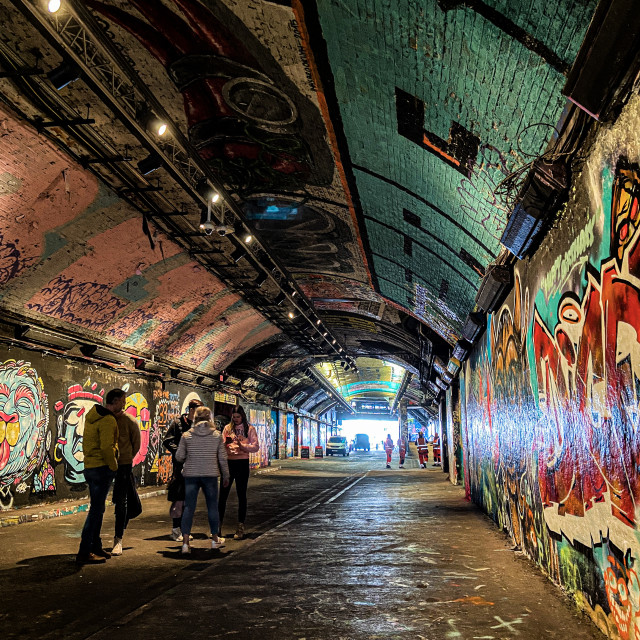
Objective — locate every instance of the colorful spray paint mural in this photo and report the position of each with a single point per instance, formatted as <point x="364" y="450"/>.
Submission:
<point x="291" y="425"/>
<point x="41" y="454"/>
<point x="551" y="413"/>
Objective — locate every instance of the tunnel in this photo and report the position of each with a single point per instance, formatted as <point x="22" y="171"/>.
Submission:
<point x="351" y="219"/>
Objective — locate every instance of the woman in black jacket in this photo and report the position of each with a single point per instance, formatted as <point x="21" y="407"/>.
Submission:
<point x="175" y="488"/>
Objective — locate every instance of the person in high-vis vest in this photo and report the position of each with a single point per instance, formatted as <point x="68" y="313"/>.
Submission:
<point x="436" y="451"/>
<point x="388" y="447"/>
<point x="402" y="450"/>
<point x="423" y="450"/>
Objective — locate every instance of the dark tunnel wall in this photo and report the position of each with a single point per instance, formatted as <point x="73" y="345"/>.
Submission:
<point x="550" y="396"/>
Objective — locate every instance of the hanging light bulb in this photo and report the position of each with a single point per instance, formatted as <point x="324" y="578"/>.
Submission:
<point x="291" y="315"/>
<point x="318" y="321"/>
<point x="54" y="5"/>
<point x="248" y="238"/>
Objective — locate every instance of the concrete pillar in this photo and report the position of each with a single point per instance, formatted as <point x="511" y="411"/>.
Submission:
<point x="404" y="423"/>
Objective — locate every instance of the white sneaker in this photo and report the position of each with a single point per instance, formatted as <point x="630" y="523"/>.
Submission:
<point x="216" y="544"/>
<point x="186" y="549"/>
<point x="176" y="534"/>
<point x="117" y="547"/>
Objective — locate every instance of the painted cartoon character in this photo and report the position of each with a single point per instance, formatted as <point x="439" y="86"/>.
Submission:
<point x="24" y="420"/>
<point x="68" y="448"/>
<point x="593" y="358"/>
<point x="138" y="408"/>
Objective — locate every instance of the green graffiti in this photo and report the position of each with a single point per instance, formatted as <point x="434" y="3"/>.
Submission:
<point x="574" y="257"/>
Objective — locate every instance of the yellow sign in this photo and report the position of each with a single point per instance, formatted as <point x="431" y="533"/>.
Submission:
<point x="229" y="398"/>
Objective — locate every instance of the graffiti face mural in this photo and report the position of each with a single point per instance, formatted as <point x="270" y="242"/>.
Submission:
<point x="70" y="423"/>
<point x="24" y="417"/>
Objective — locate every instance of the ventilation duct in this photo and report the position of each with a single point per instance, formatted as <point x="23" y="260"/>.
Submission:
<point x="453" y="366"/>
<point x="39" y="336"/>
<point x="434" y="388"/>
<point x="474" y="326"/>
<point x="494" y="287"/>
<point x="541" y="195"/>
<point x="461" y="350"/>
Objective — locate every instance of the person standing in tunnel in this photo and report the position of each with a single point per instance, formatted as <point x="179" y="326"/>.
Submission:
<point x="100" y="447"/>
<point x="204" y="456"/>
<point x="241" y="439"/>
<point x="402" y="451"/>
<point x="124" y="493"/>
<point x="423" y="450"/>
<point x="175" y="488"/>
<point x="388" y="447"/>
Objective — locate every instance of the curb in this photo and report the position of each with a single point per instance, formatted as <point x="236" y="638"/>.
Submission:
<point x="59" y="512"/>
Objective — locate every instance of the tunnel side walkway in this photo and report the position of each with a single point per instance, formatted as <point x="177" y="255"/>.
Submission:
<point x="336" y="549"/>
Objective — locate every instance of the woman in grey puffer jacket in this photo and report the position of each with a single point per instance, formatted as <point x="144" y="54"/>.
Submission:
<point x="204" y="455"/>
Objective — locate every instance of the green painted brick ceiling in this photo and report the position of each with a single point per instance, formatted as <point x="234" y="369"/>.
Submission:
<point x="468" y="70"/>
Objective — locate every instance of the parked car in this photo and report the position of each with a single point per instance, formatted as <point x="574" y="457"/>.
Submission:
<point x="337" y="444"/>
<point x="362" y="442"/>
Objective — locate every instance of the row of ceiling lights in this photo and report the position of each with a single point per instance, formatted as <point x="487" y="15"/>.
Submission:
<point x="68" y="72"/>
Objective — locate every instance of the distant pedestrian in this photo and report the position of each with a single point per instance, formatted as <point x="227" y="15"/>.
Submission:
<point x="175" y="488"/>
<point x="241" y="439"/>
<point x="402" y="451"/>
<point x="423" y="450"/>
<point x="388" y="447"/>
<point x="125" y="497"/>
<point x="100" y="447"/>
<point x="204" y="458"/>
<point x="437" y="461"/>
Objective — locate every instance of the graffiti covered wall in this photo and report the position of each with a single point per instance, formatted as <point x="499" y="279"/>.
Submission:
<point x="551" y="425"/>
<point x="43" y="403"/>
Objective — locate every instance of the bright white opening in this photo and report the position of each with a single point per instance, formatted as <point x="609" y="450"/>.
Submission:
<point x="376" y="430"/>
<point x="53" y="6"/>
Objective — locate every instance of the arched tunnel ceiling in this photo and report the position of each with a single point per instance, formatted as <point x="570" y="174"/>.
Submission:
<point x="362" y="145"/>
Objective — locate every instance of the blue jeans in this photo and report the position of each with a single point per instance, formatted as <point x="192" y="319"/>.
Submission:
<point x="99" y="480"/>
<point x="191" y="488"/>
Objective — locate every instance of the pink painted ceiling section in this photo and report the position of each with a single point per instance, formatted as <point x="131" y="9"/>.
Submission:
<point x="179" y="293"/>
<point x="40" y="189"/>
<point x="72" y="254"/>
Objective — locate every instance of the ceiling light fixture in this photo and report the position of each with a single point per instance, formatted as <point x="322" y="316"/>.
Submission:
<point x="53" y="6"/>
<point x="248" y="238"/>
<point x="291" y="315"/>
<point x="154" y="124"/>
<point x="318" y="321"/>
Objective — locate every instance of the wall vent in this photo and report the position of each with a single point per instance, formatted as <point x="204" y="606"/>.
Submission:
<point x="474" y="326"/>
<point x="541" y="195"/>
<point x="495" y="285"/>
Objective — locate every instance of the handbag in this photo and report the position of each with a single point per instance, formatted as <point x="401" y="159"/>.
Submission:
<point x="176" y="509"/>
<point x="175" y="489"/>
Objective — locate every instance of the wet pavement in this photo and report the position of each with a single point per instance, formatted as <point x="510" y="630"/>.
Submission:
<point x="336" y="548"/>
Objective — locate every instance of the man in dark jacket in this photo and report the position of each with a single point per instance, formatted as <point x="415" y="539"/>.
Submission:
<point x="100" y="448"/>
<point x="176" y="485"/>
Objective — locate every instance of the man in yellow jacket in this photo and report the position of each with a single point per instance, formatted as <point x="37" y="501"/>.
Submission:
<point x="100" y="447"/>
